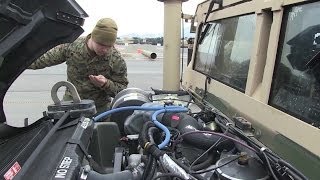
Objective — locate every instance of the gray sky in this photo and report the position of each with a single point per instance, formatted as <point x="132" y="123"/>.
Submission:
<point x="132" y="16"/>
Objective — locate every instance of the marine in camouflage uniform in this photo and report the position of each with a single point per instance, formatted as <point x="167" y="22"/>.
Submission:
<point x="83" y="62"/>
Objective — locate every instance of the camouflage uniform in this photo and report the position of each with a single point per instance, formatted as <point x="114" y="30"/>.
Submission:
<point x="81" y="63"/>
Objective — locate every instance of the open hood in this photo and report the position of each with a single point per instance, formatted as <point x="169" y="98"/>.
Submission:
<point x="29" y="28"/>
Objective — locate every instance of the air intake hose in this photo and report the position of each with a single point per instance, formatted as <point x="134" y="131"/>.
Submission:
<point x="133" y="174"/>
<point x="185" y="123"/>
<point x="123" y="175"/>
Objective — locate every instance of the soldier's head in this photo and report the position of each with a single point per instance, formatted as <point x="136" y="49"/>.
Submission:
<point x="104" y="36"/>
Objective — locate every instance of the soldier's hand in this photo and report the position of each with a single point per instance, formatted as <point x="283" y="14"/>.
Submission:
<point x="99" y="80"/>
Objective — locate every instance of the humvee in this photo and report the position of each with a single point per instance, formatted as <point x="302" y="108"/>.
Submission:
<point x="258" y="60"/>
<point x="247" y="106"/>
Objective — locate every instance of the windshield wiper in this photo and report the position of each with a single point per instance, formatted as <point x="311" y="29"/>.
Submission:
<point x="219" y="2"/>
<point x="203" y="33"/>
<point x="313" y="61"/>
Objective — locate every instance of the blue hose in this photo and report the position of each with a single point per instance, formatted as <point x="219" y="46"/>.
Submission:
<point x="107" y="113"/>
<point x="158" y="110"/>
<point x="161" y="126"/>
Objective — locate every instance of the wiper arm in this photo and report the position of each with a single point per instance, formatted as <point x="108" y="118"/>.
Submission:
<point x="202" y="34"/>
<point x="211" y="6"/>
<point x="313" y="61"/>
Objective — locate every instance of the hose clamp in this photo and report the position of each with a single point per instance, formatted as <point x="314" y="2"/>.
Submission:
<point x="263" y="149"/>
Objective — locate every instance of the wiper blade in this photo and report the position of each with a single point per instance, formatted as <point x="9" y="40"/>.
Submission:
<point x="313" y="61"/>
<point x="202" y="34"/>
<point x="211" y="6"/>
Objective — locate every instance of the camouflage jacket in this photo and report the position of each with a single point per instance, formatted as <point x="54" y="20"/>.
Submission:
<point x="81" y="63"/>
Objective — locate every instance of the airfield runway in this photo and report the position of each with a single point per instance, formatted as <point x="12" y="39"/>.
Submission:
<point x="29" y="95"/>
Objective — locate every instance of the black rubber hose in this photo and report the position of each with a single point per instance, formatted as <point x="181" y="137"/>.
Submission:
<point x="153" y="169"/>
<point x="183" y="166"/>
<point x="295" y="175"/>
<point x="147" y="168"/>
<point x="152" y="162"/>
<point x="151" y="131"/>
<point x="143" y="136"/>
<point x="185" y="123"/>
<point x="206" y="141"/>
<point x="123" y="175"/>
<point x="292" y="169"/>
<point x="204" y="164"/>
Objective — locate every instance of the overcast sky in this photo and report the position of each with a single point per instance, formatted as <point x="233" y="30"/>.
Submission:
<point x="132" y="16"/>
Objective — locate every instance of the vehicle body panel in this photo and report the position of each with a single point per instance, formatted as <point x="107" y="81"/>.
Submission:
<point x="285" y="134"/>
<point x="30" y="30"/>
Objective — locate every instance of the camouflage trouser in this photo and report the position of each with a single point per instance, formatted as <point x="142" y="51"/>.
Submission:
<point x="103" y="108"/>
<point x="100" y="109"/>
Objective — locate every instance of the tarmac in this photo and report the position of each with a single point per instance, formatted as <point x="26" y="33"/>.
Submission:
<point x="29" y="96"/>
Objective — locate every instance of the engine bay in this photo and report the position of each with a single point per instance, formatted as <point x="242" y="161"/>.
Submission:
<point x="168" y="135"/>
<point x="159" y="135"/>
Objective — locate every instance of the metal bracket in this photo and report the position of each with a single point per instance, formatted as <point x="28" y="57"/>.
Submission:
<point x="77" y="107"/>
<point x="69" y="18"/>
<point x="72" y="89"/>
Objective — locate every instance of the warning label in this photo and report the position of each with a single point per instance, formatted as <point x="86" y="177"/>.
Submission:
<point x="12" y="172"/>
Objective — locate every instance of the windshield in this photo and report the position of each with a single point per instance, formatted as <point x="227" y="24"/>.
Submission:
<point x="296" y="86"/>
<point x="225" y="51"/>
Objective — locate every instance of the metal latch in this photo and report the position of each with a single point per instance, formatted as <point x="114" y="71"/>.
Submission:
<point x="69" y="18"/>
<point x="77" y="107"/>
